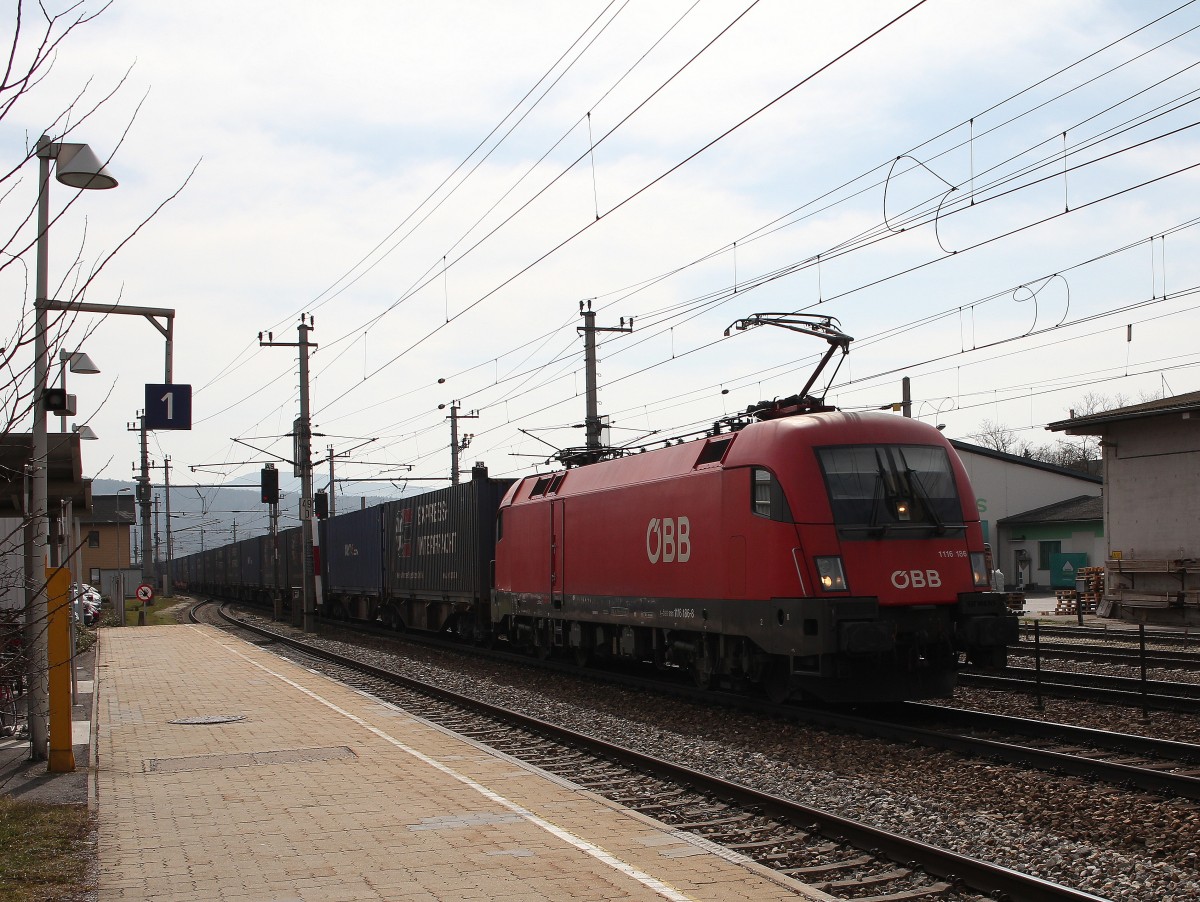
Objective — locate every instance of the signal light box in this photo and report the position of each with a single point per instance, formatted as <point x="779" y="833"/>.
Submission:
<point x="168" y="406"/>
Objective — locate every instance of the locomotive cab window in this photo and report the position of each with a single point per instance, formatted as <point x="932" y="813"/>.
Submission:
<point x="766" y="496"/>
<point x="540" y="487"/>
<point x="877" y="490"/>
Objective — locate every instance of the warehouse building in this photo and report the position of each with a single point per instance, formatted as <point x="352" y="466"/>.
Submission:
<point x="1151" y="507"/>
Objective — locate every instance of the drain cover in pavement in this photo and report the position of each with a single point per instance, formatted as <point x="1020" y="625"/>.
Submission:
<point x="211" y="719"/>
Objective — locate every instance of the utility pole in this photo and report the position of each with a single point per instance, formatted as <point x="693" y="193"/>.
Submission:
<point x="170" y="579"/>
<point x="157" y="553"/>
<point x="302" y="433"/>
<point x="592" y="424"/>
<point x="332" y="485"/>
<point x="170" y="588"/>
<point x="143" y="493"/>
<point x="456" y="446"/>
<point x="278" y="600"/>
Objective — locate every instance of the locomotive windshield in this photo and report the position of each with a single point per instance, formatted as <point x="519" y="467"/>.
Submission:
<point x="878" y="490"/>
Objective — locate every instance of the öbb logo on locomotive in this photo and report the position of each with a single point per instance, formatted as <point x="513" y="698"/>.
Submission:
<point x="916" y="579"/>
<point x="669" y="540"/>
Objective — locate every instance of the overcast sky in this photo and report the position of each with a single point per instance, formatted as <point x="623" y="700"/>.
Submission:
<point x="442" y="184"/>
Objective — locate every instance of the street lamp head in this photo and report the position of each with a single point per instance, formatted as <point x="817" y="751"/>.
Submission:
<point x="85" y="432"/>
<point x="78" y="168"/>
<point x="79" y="362"/>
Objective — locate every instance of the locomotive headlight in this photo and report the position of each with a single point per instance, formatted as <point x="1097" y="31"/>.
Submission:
<point x="830" y="574"/>
<point x="983" y="579"/>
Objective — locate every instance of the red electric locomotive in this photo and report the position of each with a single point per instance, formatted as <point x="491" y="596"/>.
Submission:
<point x="830" y="554"/>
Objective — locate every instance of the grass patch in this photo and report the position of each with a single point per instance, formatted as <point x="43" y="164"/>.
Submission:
<point x="156" y="614"/>
<point x="45" y="852"/>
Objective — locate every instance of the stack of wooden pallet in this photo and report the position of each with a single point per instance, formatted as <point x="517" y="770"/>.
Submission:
<point x="1091" y="583"/>
<point x="1066" y="601"/>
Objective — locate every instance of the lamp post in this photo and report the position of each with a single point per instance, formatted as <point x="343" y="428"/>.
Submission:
<point x="119" y="600"/>
<point x="76" y="362"/>
<point x="77" y="167"/>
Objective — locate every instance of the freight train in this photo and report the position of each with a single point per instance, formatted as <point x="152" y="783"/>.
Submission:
<point x="831" y="555"/>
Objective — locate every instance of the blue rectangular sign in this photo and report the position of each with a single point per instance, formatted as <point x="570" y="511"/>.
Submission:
<point x="168" y="406"/>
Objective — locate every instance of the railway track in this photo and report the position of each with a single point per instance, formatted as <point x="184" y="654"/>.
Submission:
<point x="1162" y="766"/>
<point x="1170" y="769"/>
<point x="1117" y="635"/>
<point x="842" y="857"/>
<point x="1127" y="656"/>
<point x="1183" y="698"/>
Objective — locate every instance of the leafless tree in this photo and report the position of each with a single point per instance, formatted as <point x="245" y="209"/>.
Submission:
<point x="999" y="437"/>
<point x="1074" y="452"/>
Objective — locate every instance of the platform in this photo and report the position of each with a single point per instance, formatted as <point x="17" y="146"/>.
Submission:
<point x="320" y="792"/>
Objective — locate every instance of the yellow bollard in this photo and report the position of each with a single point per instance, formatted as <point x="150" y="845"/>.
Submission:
<point x="62" y="659"/>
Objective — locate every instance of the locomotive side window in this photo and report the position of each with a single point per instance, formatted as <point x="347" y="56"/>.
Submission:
<point x="539" y="487"/>
<point x="766" y="496"/>
<point x="499" y="524"/>
<point x="881" y="489"/>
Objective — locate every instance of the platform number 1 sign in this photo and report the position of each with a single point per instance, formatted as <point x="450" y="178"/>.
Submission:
<point x="169" y="406"/>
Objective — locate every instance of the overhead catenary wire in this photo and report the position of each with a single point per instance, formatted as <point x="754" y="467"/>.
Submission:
<point x="739" y="280"/>
<point x="1086" y="163"/>
<point x="1085" y="58"/>
<point x="638" y="192"/>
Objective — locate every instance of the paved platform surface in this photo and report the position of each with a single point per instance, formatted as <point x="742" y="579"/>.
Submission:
<point x="319" y="792"/>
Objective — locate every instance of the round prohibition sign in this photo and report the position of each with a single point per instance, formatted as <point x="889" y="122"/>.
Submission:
<point x="145" y="592"/>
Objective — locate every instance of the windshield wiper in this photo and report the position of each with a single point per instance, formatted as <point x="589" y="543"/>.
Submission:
<point x="881" y="479"/>
<point x="914" y="482"/>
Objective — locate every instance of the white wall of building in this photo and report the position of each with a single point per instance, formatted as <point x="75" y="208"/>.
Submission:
<point x="1153" y="505"/>
<point x="1004" y="488"/>
<point x="1006" y="485"/>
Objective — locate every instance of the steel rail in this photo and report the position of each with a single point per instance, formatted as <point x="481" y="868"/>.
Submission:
<point x="1126" y="655"/>
<point x="1106" y="634"/>
<point x="1048" y="729"/>
<point x="1178" y="785"/>
<point x="1182" y="698"/>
